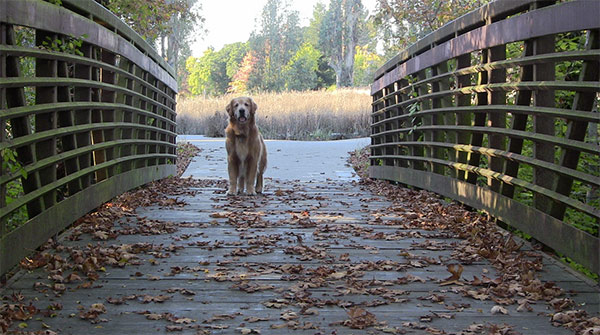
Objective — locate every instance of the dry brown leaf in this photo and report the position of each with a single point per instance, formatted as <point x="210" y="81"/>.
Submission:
<point x="499" y="310"/>
<point x="456" y="271"/>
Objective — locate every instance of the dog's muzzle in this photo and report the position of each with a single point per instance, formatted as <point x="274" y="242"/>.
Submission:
<point x="242" y="116"/>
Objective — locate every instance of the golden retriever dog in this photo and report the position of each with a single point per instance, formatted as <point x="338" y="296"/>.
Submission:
<point x="246" y="150"/>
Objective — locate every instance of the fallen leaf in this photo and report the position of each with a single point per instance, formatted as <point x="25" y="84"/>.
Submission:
<point x="499" y="310"/>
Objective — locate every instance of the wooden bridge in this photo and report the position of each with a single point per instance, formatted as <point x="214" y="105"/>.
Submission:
<point x="469" y="112"/>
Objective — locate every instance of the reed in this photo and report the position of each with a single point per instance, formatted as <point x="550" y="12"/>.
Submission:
<point x="309" y="115"/>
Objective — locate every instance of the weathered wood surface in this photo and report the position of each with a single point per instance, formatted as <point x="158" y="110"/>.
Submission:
<point x="79" y="121"/>
<point x="216" y="258"/>
<point x="489" y="86"/>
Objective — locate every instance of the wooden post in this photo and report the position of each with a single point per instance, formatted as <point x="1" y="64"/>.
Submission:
<point x="463" y="119"/>
<point x="20" y="126"/>
<point x="108" y="115"/>
<point x="497" y="119"/>
<point x="442" y="118"/>
<point x="543" y="124"/>
<point x="417" y="135"/>
<point x="83" y="116"/>
<point x="3" y="123"/>
<point x="519" y="122"/>
<point x="576" y="130"/>
<point x="479" y="120"/>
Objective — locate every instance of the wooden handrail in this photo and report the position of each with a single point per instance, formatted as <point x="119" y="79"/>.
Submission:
<point x="85" y="123"/>
<point x="453" y="115"/>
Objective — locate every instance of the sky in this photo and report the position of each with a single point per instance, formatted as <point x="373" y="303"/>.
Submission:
<point x="230" y="21"/>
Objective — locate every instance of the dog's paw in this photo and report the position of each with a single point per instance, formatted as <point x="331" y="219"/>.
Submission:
<point x="251" y="193"/>
<point x="231" y="194"/>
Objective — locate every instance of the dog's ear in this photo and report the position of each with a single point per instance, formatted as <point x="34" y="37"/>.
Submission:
<point x="229" y="108"/>
<point x="253" y="106"/>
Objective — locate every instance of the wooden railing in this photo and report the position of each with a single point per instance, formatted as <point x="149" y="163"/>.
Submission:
<point x="498" y="110"/>
<point x="87" y="113"/>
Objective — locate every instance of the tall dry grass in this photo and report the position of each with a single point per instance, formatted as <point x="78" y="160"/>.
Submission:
<point x="310" y="115"/>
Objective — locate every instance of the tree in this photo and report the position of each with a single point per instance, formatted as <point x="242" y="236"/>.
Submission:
<point x="301" y="71"/>
<point x="273" y="45"/>
<point x="168" y="25"/>
<point x="239" y="81"/>
<point x="365" y="65"/>
<point x="212" y="73"/>
<point x="403" y="22"/>
<point x="339" y="35"/>
<point x="175" y="44"/>
<point x="200" y="79"/>
<point x="325" y="74"/>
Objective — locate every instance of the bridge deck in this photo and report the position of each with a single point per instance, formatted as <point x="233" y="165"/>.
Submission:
<point x="303" y="257"/>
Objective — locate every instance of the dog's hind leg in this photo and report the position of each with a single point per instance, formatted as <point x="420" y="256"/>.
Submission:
<point x="262" y="166"/>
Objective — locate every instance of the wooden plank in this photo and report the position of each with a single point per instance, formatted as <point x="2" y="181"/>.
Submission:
<point x="558" y="141"/>
<point x="575" y="15"/>
<point x="487" y="173"/>
<point x="12" y="50"/>
<point x="590" y="55"/>
<point x="209" y="297"/>
<point x="512" y="158"/>
<point x="38" y="229"/>
<point x="582" y="246"/>
<point x="67" y="155"/>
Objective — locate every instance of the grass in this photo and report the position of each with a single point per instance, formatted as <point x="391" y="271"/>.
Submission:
<point x="309" y="115"/>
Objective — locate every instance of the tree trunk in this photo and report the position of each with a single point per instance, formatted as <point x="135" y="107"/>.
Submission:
<point x="345" y="63"/>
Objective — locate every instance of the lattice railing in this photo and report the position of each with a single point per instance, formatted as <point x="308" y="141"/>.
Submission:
<point x="87" y="112"/>
<point x="499" y="110"/>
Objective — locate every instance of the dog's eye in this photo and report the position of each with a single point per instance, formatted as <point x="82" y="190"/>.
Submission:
<point x="236" y="104"/>
<point x="246" y="104"/>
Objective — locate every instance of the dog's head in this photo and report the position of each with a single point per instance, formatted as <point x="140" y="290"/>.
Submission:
<point x="241" y="110"/>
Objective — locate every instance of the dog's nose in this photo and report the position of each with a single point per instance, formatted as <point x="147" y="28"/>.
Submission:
<point x="242" y="111"/>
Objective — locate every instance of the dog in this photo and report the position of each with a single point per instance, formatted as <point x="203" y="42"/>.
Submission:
<point x="246" y="149"/>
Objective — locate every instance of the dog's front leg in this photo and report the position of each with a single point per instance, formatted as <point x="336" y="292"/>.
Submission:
<point x="233" y="169"/>
<point x="250" y="176"/>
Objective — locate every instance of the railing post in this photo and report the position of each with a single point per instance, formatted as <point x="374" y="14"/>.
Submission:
<point x="479" y="119"/>
<point x="445" y="118"/>
<point x="542" y="124"/>
<point x="519" y="121"/>
<point x="464" y="118"/>
<point x="20" y="126"/>
<point x="46" y="121"/>
<point x="496" y="119"/>
<point x="576" y="130"/>
<point x="3" y="123"/>
<point x="83" y="117"/>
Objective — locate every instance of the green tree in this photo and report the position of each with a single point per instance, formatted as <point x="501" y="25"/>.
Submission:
<point x="200" y="79"/>
<point x="301" y="71"/>
<point x="403" y="22"/>
<point x="339" y="36"/>
<point x="273" y="45"/>
<point x="324" y="72"/>
<point x="171" y="26"/>
<point x="212" y="73"/>
<point x="365" y="65"/>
